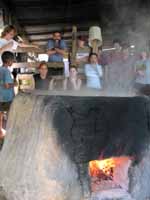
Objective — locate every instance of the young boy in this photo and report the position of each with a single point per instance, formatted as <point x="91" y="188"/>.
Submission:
<point x="6" y="87"/>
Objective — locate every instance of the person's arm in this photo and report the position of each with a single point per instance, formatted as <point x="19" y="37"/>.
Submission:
<point x="76" y="83"/>
<point x="24" y="45"/>
<point x="8" y="81"/>
<point x="79" y="83"/>
<point x="51" y="84"/>
<point x="63" y="48"/>
<point x="8" y="85"/>
<point x="65" y="84"/>
<point x="100" y="71"/>
<point x="106" y="75"/>
<point x="6" y="47"/>
<point x="60" y="51"/>
<point x="87" y="70"/>
<point x="51" y="52"/>
<point x="50" y="48"/>
<point x="32" y="83"/>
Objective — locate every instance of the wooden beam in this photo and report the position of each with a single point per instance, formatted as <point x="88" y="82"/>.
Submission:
<point x="58" y="26"/>
<point x="66" y="31"/>
<point x="50" y="21"/>
<point x="74" y="45"/>
<point x="54" y="65"/>
<point x="26" y="50"/>
<point x="66" y="36"/>
<point x="52" y="4"/>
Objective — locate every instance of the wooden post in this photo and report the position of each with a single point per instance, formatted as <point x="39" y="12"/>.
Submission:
<point x="95" y="46"/>
<point x="74" y="45"/>
<point x="1" y="19"/>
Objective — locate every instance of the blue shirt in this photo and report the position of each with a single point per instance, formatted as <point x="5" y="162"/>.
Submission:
<point x="93" y="74"/>
<point x="56" y="57"/>
<point x="6" y="95"/>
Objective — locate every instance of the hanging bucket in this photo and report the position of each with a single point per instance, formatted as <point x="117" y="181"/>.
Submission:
<point x="95" y="38"/>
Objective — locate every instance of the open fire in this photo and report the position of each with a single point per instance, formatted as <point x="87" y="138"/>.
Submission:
<point x="102" y="168"/>
<point x="109" y="173"/>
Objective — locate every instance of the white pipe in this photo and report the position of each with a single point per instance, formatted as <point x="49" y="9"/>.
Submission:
<point x="109" y="49"/>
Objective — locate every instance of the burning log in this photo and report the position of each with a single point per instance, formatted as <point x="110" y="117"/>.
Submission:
<point x="109" y="173"/>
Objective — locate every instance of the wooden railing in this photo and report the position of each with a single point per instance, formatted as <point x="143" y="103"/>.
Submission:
<point x="54" y="65"/>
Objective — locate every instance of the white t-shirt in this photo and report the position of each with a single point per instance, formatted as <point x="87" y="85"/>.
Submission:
<point x="4" y="42"/>
<point x="93" y="74"/>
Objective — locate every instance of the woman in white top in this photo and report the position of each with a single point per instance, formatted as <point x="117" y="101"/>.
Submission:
<point x="7" y="43"/>
<point x="93" y="72"/>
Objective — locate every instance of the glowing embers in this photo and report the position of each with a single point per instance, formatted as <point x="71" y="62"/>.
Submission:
<point x="102" y="168"/>
<point x="109" y="173"/>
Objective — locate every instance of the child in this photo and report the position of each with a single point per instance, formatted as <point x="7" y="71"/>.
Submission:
<point x="73" y="82"/>
<point x="6" y="87"/>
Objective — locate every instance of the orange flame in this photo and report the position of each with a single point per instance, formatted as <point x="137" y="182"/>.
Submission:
<point x="106" y="166"/>
<point x="101" y="166"/>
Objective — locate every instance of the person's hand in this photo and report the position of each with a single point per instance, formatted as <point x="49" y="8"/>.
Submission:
<point x="73" y="80"/>
<point x="57" y="49"/>
<point x="53" y="52"/>
<point x="2" y="134"/>
<point x="36" y="46"/>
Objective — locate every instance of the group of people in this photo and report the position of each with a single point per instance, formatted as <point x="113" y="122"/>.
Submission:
<point x="56" y="50"/>
<point x="7" y="46"/>
<point x="116" y="70"/>
<point x="110" y="70"/>
<point x="128" y="71"/>
<point x="86" y="63"/>
<point x="93" y="73"/>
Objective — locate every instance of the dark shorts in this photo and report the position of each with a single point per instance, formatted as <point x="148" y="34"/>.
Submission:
<point x="4" y="106"/>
